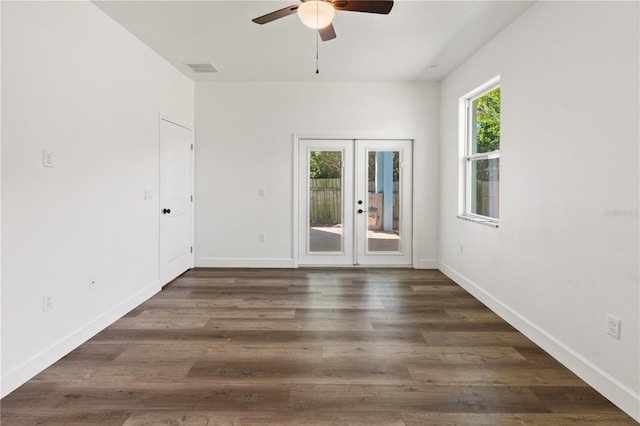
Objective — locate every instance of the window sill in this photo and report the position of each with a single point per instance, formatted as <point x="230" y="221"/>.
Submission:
<point x="481" y="220"/>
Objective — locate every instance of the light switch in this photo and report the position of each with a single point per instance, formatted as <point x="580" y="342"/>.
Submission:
<point x="47" y="158"/>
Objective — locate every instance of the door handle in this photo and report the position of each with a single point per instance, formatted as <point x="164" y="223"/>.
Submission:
<point x="166" y="211"/>
<point x="361" y="211"/>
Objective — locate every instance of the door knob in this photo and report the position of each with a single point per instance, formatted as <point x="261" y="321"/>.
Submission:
<point x="166" y="211"/>
<point x="359" y="201"/>
<point x="361" y="211"/>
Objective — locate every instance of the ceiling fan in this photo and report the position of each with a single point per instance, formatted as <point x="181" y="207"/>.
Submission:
<point x="319" y="14"/>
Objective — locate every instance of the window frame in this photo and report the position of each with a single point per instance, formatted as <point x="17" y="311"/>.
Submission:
<point x="468" y="157"/>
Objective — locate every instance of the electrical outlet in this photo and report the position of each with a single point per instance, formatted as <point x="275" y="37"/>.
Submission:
<point x="47" y="303"/>
<point x="613" y="326"/>
<point x="47" y="158"/>
<point x="261" y="237"/>
<point x="261" y="192"/>
<point x="92" y="281"/>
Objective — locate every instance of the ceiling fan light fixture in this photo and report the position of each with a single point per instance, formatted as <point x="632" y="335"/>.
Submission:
<point x="316" y="14"/>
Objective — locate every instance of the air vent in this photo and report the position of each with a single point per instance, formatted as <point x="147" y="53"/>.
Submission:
<point x="203" y="68"/>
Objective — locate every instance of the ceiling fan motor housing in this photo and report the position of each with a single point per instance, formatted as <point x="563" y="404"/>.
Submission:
<point x="316" y="14"/>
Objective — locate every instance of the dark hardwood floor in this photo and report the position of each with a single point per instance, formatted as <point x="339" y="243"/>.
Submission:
<point x="309" y="347"/>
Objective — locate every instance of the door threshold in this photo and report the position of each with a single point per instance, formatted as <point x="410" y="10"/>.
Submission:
<point x="305" y="266"/>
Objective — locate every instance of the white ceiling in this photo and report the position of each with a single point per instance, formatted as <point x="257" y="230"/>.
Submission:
<point x="369" y="47"/>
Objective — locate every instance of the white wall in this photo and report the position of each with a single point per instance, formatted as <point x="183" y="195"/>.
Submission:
<point x="77" y="83"/>
<point x="566" y="252"/>
<point x="244" y="141"/>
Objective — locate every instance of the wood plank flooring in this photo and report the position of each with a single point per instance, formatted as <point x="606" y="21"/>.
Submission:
<point x="309" y="347"/>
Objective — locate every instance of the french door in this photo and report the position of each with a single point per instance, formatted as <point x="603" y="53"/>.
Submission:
<point x="355" y="202"/>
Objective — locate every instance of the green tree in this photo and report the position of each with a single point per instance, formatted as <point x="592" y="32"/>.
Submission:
<point x="487" y="118"/>
<point x="325" y="164"/>
<point x="328" y="164"/>
<point x="486" y="114"/>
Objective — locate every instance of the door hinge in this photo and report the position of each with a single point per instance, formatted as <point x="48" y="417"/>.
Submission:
<point x="191" y="249"/>
<point x="191" y="147"/>
<point x="192" y="198"/>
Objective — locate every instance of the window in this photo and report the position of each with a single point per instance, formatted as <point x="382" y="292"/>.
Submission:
<point x="480" y="113"/>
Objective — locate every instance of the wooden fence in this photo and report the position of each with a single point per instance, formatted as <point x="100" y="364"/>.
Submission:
<point x="487" y="198"/>
<point x="326" y="201"/>
<point x="325" y="204"/>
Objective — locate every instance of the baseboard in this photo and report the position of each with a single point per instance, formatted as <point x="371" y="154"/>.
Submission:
<point x="612" y="389"/>
<point x="229" y="262"/>
<point x="426" y="264"/>
<point x="45" y="358"/>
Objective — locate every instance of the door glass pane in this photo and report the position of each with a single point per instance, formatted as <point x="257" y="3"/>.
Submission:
<point x="325" y="201"/>
<point x="383" y="229"/>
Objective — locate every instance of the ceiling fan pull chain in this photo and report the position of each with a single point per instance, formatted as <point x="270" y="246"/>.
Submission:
<point x="317" y="67"/>
<point x="317" y="38"/>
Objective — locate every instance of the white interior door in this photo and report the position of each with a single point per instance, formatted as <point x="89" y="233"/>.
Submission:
<point x="176" y="200"/>
<point x="355" y="202"/>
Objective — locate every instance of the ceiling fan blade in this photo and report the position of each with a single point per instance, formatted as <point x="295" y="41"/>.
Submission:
<point x="327" y="33"/>
<point x="370" y="6"/>
<point x="290" y="10"/>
